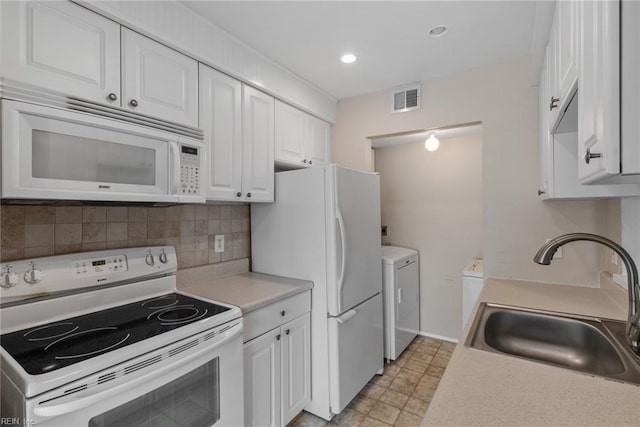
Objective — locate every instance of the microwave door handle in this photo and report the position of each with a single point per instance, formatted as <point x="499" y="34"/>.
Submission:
<point x="174" y="184"/>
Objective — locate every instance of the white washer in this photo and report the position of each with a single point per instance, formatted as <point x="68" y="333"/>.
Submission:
<point x="401" y="299"/>
<point x="472" y="283"/>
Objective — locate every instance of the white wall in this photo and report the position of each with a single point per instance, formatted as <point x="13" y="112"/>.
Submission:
<point x="515" y="221"/>
<point x="432" y="202"/>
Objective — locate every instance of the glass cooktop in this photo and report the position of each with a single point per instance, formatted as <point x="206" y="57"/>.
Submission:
<point x="56" y="345"/>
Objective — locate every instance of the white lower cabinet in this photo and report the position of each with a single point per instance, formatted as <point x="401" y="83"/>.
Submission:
<point x="277" y="375"/>
<point x="262" y="380"/>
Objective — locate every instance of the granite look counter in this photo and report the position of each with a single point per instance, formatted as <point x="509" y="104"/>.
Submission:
<point x="487" y="389"/>
<point x="249" y="291"/>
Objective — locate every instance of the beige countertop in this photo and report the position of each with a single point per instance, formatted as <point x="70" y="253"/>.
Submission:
<point x="248" y="291"/>
<point x="486" y="389"/>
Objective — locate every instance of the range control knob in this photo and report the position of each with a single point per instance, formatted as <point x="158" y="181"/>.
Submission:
<point x="163" y="257"/>
<point x="33" y="275"/>
<point x="149" y="259"/>
<point x="9" y="278"/>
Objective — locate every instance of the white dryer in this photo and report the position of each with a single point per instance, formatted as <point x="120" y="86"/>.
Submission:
<point x="401" y="295"/>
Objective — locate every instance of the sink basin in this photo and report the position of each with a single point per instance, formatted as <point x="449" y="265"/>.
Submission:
<point x="584" y="344"/>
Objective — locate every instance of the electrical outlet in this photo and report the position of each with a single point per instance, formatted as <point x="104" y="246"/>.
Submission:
<point x="218" y="243"/>
<point x="558" y="254"/>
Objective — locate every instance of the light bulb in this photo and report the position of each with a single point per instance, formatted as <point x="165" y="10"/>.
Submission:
<point x="432" y="143"/>
<point x="349" y="58"/>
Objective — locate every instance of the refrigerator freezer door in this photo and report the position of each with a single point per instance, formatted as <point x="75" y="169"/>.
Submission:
<point x="357" y="241"/>
<point x="355" y="351"/>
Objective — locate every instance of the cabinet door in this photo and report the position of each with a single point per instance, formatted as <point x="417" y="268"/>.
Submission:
<point x="63" y="47"/>
<point x="552" y="96"/>
<point x="319" y="143"/>
<point x="257" y="142"/>
<point x="158" y="81"/>
<point x="545" y="133"/>
<point x="296" y="369"/>
<point x="599" y="94"/>
<point x="290" y="135"/>
<point x="221" y="120"/>
<point x="630" y="87"/>
<point x="567" y="46"/>
<point x="262" y="364"/>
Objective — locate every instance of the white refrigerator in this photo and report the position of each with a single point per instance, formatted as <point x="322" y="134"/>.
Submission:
<point x="325" y="227"/>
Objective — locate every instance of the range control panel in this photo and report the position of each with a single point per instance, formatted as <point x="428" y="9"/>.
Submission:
<point x="48" y="275"/>
<point x="189" y="170"/>
<point x="99" y="266"/>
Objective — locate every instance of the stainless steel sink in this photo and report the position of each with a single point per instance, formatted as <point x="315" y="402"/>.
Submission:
<point x="585" y="344"/>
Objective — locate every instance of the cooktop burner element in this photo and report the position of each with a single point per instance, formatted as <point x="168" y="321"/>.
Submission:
<point x="50" y="331"/>
<point x="53" y="346"/>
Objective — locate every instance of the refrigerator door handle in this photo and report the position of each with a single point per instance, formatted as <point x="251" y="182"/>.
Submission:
<point x="347" y="316"/>
<point x="343" y="242"/>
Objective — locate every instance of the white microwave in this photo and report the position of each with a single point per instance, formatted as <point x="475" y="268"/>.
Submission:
<point x="54" y="154"/>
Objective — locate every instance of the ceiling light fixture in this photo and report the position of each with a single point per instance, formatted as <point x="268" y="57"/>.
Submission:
<point x="438" y="31"/>
<point x="348" y="58"/>
<point x="432" y="143"/>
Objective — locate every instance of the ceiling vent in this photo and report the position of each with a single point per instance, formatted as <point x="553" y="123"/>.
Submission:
<point x="406" y="98"/>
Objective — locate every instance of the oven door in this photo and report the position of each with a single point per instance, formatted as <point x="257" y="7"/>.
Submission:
<point x="196" y="382"/>
<point x="49" y="153"/>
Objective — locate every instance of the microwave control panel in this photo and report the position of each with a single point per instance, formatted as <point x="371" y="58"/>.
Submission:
<point x="189" y="170"/>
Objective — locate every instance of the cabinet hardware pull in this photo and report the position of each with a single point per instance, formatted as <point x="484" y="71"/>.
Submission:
<point x="133" y="103"/>
<point x="278" y="337"/>
<point x="238" y="194"/>
<point x="304" y="161"/>
<point x="282" y="313"/>
<point x="588" y="155"/>
<point x="554" y="103"/>
<point x="541" y="192"/>
<point x="310" y="162"/>
<point x="287" y="331"/>
<point x="248" y="194"/>
<point x="112" y="97"/>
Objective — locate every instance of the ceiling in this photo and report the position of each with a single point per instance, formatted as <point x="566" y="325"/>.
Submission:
<point x="388" y="37"/>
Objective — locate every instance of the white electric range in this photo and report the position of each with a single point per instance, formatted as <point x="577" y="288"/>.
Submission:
<point x="105" y="339"/>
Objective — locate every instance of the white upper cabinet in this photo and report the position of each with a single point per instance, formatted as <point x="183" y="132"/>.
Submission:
<point x="630" y="87"/>
<point x="319" y="143"/>
<point x="62" y="47"/>
<point x="158" y="81"/>
<point x="599" y="90"/>
<point x="291" y="134"/>
<point x="221" y="120"/>
<point x="567" y="47"/>
<point x="301" y="139"/>
<point x="257" y="146"/>
<point x="586" y="114"/>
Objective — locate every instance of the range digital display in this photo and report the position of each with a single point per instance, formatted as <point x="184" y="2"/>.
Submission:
<point x="190" y="150"/>
<point x="99" y="262"/>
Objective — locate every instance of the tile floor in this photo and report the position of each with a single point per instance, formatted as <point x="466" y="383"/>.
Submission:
<point x="401" y="396"/>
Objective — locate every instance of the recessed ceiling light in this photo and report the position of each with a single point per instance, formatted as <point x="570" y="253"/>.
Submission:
<point x="349" y="58"/>
<point x="438" y="31"/>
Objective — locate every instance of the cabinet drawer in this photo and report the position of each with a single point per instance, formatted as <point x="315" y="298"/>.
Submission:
<point x="274" y="315"/>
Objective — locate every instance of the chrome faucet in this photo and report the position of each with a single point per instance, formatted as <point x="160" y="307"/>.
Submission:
<point x="546" y="252"/>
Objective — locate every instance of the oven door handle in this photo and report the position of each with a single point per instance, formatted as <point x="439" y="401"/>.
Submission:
<point x="76" y="402"/>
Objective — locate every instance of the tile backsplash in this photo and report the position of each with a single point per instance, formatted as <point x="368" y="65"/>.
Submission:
<point x="32" y="231"/>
